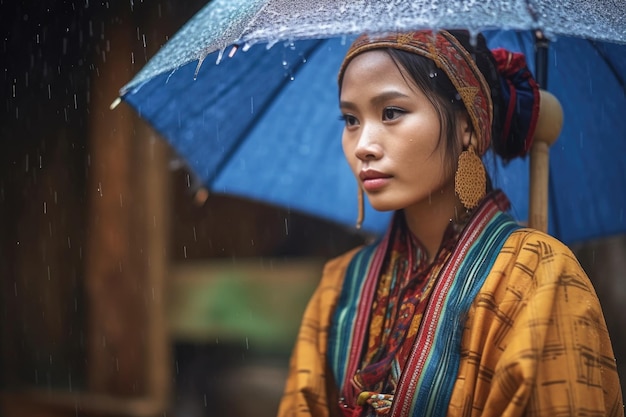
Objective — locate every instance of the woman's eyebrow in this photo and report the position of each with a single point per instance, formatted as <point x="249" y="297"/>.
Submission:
<point x="376" y="100"/>
<point x="387" y="95"/>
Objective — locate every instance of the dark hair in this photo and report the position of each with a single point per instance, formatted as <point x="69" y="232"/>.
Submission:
<point x="442" y="94"/>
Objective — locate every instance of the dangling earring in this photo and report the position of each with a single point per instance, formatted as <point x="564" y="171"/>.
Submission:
<point x="470" y="180"/>
<point x="361" y="204"/>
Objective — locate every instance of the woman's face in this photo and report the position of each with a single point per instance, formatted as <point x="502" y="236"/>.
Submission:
<point x="392" y="135"/>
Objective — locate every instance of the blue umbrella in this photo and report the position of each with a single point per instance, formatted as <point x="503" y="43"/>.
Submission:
<point x="263" y="123"/>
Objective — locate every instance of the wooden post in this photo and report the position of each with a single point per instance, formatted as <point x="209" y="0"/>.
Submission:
<point x="548" y="129"/>
<point x="126" y="262"/>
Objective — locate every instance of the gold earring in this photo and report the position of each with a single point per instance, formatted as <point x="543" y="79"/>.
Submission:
<point x="470" y="180"/>
<point x="361" y="204"/>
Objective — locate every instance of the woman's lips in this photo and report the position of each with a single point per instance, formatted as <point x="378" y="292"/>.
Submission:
<point x="374" y="180"/>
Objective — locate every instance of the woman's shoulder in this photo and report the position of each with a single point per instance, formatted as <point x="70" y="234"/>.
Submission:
<point x="342" y="261"/>
<point x="536" y="254"/>
<point x="528" y="239"/>
<point x="335" y="268"/>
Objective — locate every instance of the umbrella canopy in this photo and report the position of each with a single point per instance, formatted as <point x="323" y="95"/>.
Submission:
<point x="223" y="23"/>
<point x="263" y="123"/>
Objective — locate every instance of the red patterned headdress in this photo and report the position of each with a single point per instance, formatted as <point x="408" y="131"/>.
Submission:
<point x="451" y="57"/>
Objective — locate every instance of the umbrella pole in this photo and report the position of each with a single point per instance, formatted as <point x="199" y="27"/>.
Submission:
<point x="547" y="131"/>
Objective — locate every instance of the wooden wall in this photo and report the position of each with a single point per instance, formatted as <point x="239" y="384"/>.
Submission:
<point x="92" y="218"/>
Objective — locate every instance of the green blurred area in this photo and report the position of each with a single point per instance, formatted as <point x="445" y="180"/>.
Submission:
<point x="258" y="301"/>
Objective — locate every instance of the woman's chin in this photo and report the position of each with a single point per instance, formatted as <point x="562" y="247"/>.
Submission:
<point x="384" y="206"/>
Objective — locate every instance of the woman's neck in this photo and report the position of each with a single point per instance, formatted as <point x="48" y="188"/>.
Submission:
<point x="429" y="220"/>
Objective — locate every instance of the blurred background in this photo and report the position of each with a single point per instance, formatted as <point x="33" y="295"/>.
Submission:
<point x="125" y="290"/>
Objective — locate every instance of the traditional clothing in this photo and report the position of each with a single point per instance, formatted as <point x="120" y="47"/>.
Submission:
<point x="503" y="323"/>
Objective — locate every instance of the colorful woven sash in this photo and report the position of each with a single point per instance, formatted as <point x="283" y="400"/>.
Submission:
<point x="427" y="380"/>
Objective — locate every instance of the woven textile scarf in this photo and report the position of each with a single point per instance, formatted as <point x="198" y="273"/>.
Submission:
<point x="428" y="376"/>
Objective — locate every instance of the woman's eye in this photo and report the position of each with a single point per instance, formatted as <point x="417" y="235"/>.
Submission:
<point x="349" y="120"/>
<point x="392" y="113"/>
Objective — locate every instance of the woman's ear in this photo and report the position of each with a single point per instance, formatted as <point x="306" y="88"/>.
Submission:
<point x="464" y="128"/>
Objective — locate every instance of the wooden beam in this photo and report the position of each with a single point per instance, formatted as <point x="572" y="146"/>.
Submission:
<point x="126" y="261"/>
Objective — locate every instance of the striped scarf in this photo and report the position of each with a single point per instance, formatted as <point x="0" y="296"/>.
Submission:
<point x="426" y="372"/>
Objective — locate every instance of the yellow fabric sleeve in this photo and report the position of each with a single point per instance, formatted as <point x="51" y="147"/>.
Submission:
<point x="535" y="342"/>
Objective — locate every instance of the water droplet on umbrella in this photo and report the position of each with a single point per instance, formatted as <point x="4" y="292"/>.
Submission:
<point x="220" y="55"/>
<point x="200" y="61"/>
<point x="233" y="51"/>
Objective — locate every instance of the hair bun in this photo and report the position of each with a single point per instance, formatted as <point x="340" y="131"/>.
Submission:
<point x="520" y="93"/>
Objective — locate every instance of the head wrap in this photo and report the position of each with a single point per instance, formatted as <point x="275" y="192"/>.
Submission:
<point x="521" y="95"/>
<point x="450" y="56"/>
<point x="520" y="92"/>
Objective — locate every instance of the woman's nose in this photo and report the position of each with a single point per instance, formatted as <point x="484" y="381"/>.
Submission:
<point x="368" y="146"/>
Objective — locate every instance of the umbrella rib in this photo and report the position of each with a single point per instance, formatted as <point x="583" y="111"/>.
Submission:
<point x="532" y="12"/>
<point x="253" y="19"/>
<point x="242" y="136"/>
<point x="609" y="64"/>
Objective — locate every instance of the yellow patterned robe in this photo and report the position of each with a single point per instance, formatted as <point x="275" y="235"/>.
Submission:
<point x="535" y="342"/>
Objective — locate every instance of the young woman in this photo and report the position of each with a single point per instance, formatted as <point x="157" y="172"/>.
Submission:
<point x="457" y="310"/>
